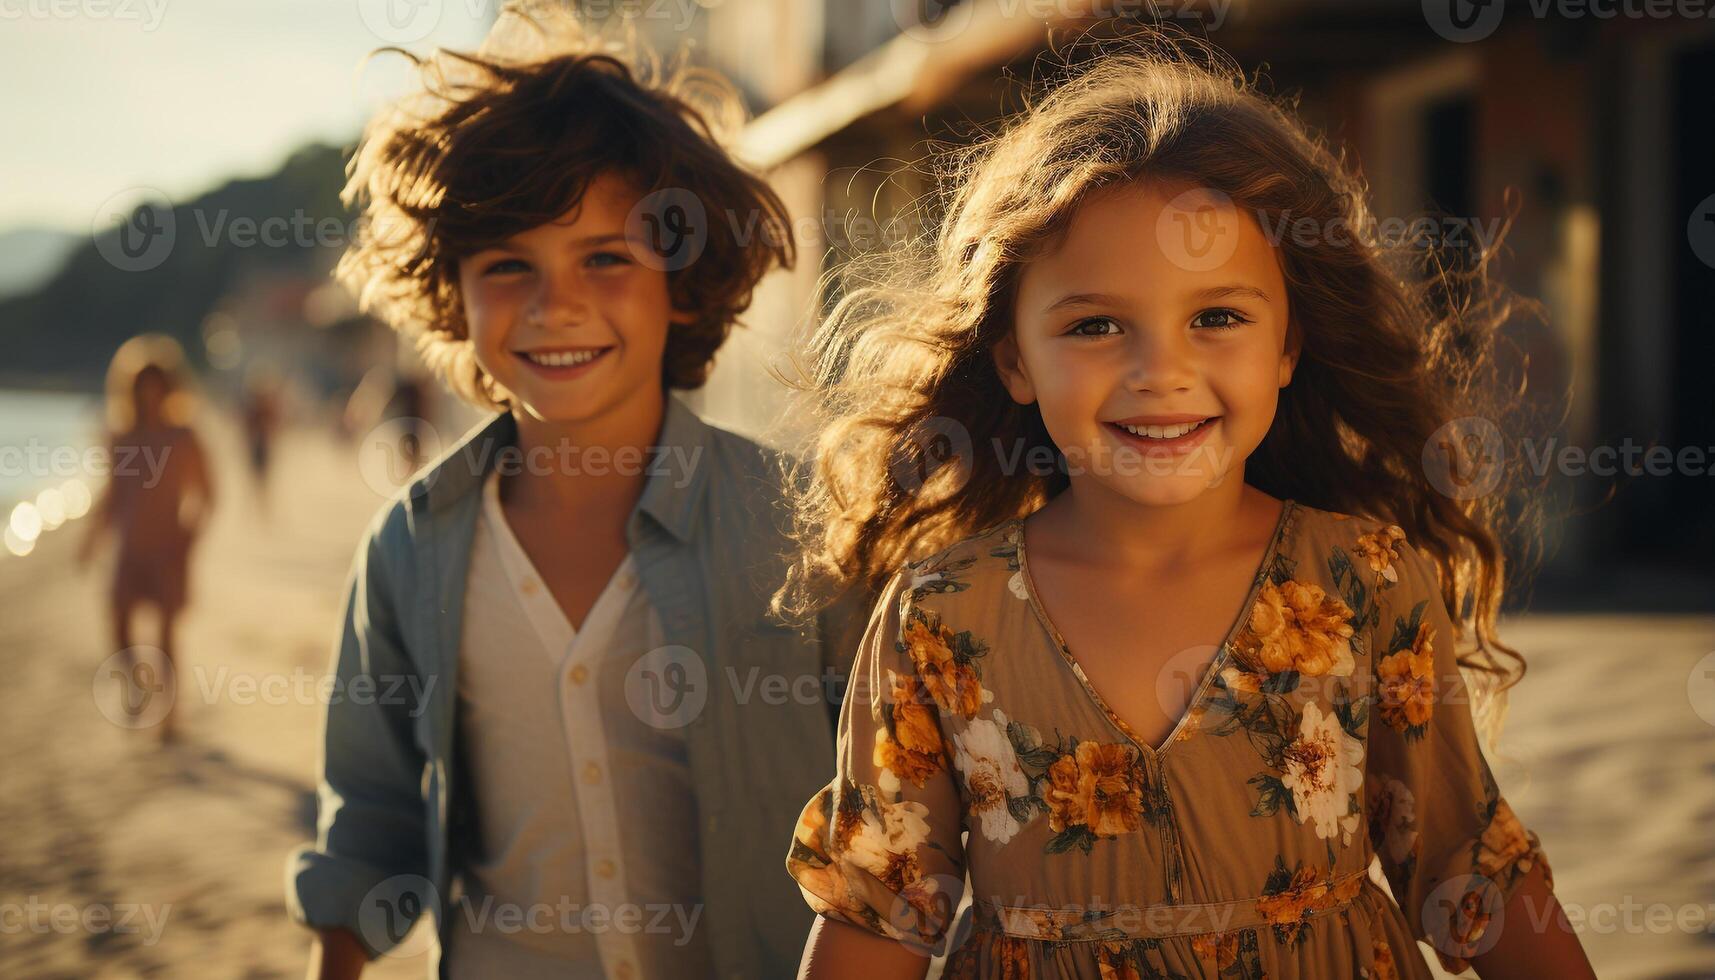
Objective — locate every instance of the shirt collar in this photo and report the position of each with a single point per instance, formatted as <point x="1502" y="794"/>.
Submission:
<point x="672" y="493"/>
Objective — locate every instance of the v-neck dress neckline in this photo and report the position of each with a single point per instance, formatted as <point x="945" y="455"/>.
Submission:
<point x="1212" y="669"/>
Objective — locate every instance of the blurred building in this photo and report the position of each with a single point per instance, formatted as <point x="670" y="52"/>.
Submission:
<point x="1598" y="125"/>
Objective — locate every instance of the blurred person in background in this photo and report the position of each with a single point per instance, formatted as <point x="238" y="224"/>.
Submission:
<point x="156" y="503"/>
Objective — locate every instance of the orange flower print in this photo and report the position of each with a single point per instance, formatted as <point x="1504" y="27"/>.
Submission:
<point x="1221" y="949"/>
<point x="943" y="659"/>
<point x="1405" y="684"/>
<point x="1380" y="550"/>
<point x="1382" y="966"/>
<point x="1116" y="961"/>
<point x="1299" y="627"/>
<point x="910" y="747"/>
<point x="1505" y="849"/>
<point x="1291" y="898"/>
<point x="1098" y="786"/>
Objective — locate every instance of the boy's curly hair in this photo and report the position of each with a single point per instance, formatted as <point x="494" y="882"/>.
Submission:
<point x="509" y="138"/>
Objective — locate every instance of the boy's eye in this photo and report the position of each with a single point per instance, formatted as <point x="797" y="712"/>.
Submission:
<point x="1231" y="316"/>
<point x="608" y="259"/>
<point x="504" y="266"/>
<point x="1082" y="327"/>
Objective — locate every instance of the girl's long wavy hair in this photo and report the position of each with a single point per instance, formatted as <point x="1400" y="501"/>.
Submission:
<point x="1398" y="338"/>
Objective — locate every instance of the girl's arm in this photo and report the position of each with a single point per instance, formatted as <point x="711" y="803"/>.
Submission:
<point x="836" y="951"/>
<point x="1536" y="939"/>
<point x="200" y="481"/>
<point x="1471" y="878"/>
<point x="893" y="799"/>
<point x="100" y="515"/>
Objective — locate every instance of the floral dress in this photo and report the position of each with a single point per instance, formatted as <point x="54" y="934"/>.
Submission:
<point x="1330" y="727"/>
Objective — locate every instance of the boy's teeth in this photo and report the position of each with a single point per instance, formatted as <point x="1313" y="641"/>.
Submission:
<point x="1161" y="431"/>
<point x="561" y="358"/>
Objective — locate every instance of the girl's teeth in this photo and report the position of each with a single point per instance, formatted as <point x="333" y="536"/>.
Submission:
<point x="1161" y="431"/>
<point x="561" y="358"/>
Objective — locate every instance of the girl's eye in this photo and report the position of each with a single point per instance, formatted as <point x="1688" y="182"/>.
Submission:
<point x="1079" y="328"/>
<point x="608" y="259"/>
<point x="1232" y="316"/>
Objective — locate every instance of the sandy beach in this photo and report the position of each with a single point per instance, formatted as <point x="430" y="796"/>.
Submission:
<point x="122" y="858"/>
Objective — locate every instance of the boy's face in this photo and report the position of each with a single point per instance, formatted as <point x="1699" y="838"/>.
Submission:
<point x="1152" y="308"/>
<point x="564" y="317"/>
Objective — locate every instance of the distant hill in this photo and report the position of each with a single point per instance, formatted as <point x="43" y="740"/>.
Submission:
<point x="28" y="256"/>
<point x="108" y="288"/>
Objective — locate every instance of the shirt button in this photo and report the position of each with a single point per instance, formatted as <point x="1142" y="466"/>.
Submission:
<point x="580" y="673"/>
<point x="592" y="773"/>
<point x="623" y="970"/>
<point x="529" y="586"/>
<point x="606" y="868"/>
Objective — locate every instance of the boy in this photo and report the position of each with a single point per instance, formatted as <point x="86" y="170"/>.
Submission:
<point x="582" y="772"/>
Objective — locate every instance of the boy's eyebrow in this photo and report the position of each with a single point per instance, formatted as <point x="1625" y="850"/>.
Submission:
<point x="584" y="242"/>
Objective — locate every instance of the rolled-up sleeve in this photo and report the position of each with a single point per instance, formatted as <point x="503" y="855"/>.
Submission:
<point x="371" y="813"/>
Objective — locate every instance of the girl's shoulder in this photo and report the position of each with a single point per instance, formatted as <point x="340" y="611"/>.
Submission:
<point x="1315" y="527"/>
<point x="972" y="569"/>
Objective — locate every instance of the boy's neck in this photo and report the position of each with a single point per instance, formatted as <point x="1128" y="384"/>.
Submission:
<point x="596" y="464"/>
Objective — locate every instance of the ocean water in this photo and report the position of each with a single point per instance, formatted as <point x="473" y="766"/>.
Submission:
<point x="45" y="440"/>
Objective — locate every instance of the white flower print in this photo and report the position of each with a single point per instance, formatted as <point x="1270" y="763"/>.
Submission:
<point x="1397" y="810"/>
<point x="985" y="756"/>
<point x="1324" y="772"/>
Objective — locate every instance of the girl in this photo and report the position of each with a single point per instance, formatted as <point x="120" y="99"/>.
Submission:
<point x="157" y="500"/>
<point x="1172" y="546"/>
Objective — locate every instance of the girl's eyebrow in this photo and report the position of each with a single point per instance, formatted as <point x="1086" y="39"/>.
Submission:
<point x="1082" y="299"/>
<point x="1106" y="299"/>
<point x="1225" y="292"/>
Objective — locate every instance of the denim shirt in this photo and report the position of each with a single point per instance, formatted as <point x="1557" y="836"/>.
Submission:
<point x="708" y="537"/>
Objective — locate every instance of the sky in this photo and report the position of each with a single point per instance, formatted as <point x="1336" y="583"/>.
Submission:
<point x="110" y="99"/>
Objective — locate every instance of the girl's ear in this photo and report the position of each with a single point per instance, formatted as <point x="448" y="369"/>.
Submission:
<point x="1289" y="357"/>
<point x="1010" y="366"/>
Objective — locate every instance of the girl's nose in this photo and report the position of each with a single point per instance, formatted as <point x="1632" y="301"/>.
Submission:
<point x="1160" y="361"/>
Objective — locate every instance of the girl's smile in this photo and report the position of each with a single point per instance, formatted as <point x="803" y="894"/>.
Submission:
<point x="1180" y="435"/>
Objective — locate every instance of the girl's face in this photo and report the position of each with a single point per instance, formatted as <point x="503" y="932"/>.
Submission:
<point x="564" y="317"/>
<point x="1161" y="306"/>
